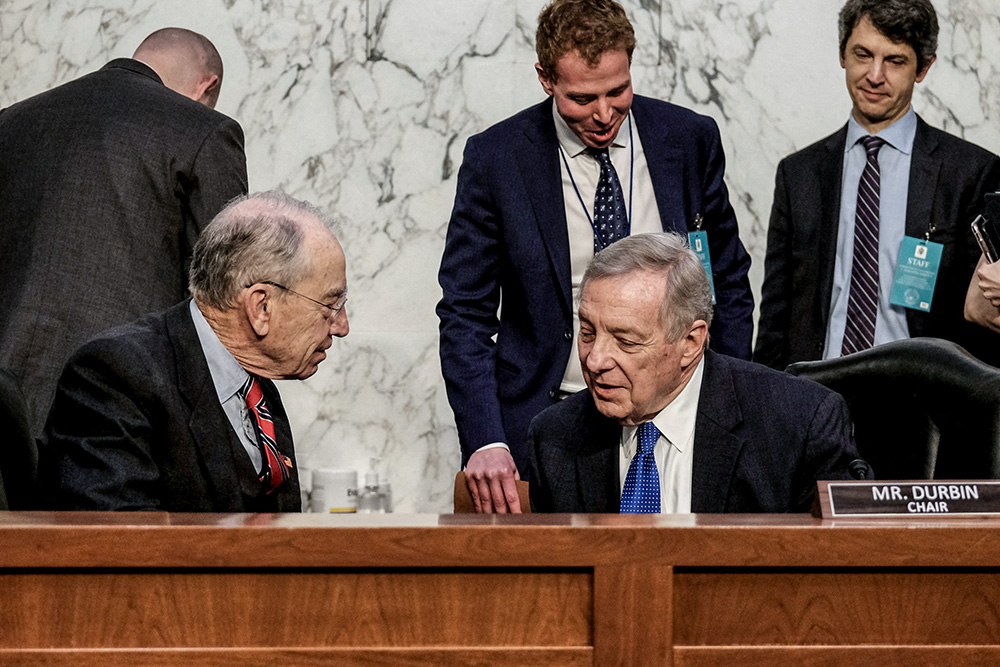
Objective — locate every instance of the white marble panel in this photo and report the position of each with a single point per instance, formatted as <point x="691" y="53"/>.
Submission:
<point x="364" y="107"/>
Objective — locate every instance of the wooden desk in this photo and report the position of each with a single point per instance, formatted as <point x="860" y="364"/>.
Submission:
<point x="157" y="589"/>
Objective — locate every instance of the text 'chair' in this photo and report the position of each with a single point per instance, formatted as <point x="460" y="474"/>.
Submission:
<point x="923" y="408"/>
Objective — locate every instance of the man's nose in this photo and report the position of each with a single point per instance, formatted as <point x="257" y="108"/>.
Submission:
<point x="339" y="325"/>
<point x="876" y="71"/>
<point x="602" y="111"/>
<point x="599" y="356"/>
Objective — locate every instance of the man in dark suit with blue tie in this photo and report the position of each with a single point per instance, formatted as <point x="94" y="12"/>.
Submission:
<point x="666" y="425"/>
<point x="177" y="411"/>
<point x="538" y="194"/>
<point x="855" y="210"/>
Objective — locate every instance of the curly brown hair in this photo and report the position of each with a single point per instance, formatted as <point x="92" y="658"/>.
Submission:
<point x="588" y="27"/>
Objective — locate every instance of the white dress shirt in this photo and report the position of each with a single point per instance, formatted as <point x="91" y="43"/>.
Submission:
<point x="640" y="202"/>
<point x="674" y="451"/>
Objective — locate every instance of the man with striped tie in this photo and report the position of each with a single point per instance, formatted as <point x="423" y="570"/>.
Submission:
<point x="177" y="411"/>
<point x="869" y="239"/>
<point x="667" y="425"/>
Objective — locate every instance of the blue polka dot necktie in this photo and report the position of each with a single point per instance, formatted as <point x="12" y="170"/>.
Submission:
<point x="641" y="494"/>
<point x="610" y="217"/>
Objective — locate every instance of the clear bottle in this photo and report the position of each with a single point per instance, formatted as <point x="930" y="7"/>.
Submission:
<point x="370" y="500"/>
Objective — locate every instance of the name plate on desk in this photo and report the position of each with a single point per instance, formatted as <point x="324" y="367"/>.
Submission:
<point x="838" y="500"/>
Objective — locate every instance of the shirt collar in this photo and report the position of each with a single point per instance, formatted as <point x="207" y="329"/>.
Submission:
<point x="572" y="145"/>
<point x="227" y="374"/>
<point x="899" y="135"/>
<point x="677" y="420"/>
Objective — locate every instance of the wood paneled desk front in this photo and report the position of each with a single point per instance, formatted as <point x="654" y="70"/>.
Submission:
<point x="691" y="591"/>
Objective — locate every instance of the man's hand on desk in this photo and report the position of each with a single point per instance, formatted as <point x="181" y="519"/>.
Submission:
<point x="490" y="476"/>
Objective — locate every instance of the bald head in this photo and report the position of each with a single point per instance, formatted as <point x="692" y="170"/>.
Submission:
<point x="187" y="62"/>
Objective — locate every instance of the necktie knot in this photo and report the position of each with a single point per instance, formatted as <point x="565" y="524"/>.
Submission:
<point x="872" y="144"/>
<point x="648" y="435"/>
<point x="599" y="154"/>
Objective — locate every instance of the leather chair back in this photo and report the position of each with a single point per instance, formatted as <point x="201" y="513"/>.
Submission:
<point x="923" y="408"/>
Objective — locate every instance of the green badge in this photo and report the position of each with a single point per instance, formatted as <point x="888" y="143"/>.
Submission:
<point x="699" y="243"/>
<point x="916" y="273"/>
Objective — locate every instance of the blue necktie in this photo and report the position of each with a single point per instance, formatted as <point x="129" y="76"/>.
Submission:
<point x="641" y="494"/>
<point x="610" y="217"/>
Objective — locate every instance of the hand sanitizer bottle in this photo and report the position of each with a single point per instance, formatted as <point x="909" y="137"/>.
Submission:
<point x="369" y="498"/>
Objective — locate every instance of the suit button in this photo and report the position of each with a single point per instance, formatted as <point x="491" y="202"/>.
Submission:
<point x="568" y="334"/>
<point x="552" y="393"/>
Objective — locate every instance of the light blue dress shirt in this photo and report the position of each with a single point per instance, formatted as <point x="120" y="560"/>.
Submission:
<point x="228" y="377"/>
<point x="894" y="170"/>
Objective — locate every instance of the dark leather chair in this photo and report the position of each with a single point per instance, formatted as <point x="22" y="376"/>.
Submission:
<point x="18" y="450"/>
<point x="923" y="408"/>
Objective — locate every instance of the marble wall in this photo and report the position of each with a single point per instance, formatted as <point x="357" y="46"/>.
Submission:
<point x="364" y="106"/>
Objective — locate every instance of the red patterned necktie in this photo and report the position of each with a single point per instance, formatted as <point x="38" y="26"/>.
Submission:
<point x="862" y="300"/>
<point x="275" y="466"/>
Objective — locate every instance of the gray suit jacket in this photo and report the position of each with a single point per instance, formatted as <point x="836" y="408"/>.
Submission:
<point x="105" y="182"/>
<point x="137" y="425"/>
<point x="949" y="178"/>
<point x="761" y="440"/>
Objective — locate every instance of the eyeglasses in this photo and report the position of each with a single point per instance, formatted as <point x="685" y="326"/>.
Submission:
<point x="334" y="307"/>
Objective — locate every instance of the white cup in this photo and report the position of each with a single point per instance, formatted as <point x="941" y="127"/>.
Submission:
<point x="334" y="490"/>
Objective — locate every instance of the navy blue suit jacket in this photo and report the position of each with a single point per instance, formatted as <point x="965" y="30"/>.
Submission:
<point x="761" y="440"/>
<point x="507" y="240"/>
<point x="137" y="425"/>
<point x="949" y="178"/>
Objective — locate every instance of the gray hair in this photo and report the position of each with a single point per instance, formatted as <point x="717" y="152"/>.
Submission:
<point x="255" y="238"/>
<point x="687" y="298"/>
<point x="912" y="22"/>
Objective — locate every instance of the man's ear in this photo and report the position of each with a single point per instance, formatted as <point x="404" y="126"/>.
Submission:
<point x="206" y="92"/>
<point x="257" y="307"/>
<point x="694" y="342"/>
<point x="543" y="78"/>
<point x="927" y="65"/>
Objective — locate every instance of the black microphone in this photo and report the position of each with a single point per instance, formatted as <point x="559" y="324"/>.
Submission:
<point x="860" y="469"/>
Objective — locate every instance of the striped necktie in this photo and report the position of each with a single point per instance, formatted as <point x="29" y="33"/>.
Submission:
<point x="641" y="493"/>
<point x="862" y="302"/>
<point x="275" y="466"/>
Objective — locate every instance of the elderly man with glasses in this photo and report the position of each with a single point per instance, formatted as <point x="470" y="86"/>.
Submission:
<point x="177" y="410"/>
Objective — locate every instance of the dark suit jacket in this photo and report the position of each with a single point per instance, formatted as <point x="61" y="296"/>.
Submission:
<point x="105" y="182"/>
<point x="761" y="440"/>
<point x="507" y="237"/>
<point x="948" y="180"/>
<point x="136" y="425"/>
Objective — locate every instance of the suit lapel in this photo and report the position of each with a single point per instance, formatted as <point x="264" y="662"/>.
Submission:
<point x="210" y="429"/>
<point x="716" y="445"/>
<point x="538" y="160"/>
<point x="597" y="474"/>
<point x="925" y="167"/>
<point x="924" y="170"/>
<point x="662" y="160"/>
<point x="830" y="170"/>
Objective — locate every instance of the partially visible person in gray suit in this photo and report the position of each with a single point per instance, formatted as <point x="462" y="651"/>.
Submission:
<point x="177" y="411"/>
<point x="105" y="184"/>
<point x="667" y="425"/>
